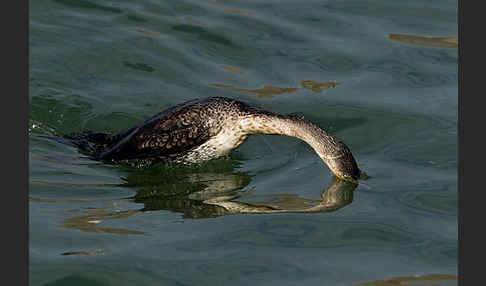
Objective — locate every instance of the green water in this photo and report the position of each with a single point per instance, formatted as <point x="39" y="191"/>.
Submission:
<point x="271" y="213"/>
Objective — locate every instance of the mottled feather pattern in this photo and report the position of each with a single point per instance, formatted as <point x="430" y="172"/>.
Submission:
<point x="171" y="135"/>
<point x="200" y="130"/>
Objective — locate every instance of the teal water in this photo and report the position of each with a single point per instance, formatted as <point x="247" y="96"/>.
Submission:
<point x="272" y="212"/>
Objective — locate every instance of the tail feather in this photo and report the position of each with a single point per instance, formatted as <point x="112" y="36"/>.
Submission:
<point x="90" y="142"/>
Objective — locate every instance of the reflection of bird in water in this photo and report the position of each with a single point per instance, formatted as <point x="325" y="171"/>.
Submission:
<point x="214" y="195"/>
<point x="209" y="190"/>
<point x="336" y="196"/>
<point x="203" y="129"/>
<point x="208" y="193"/>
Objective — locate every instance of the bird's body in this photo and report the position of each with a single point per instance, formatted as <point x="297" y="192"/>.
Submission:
<point x="204" y="129"/>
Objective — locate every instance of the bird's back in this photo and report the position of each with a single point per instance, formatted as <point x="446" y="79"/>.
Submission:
<point x="175" y="134"/>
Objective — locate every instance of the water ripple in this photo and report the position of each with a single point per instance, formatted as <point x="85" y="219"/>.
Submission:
<point x="293" y="232"/>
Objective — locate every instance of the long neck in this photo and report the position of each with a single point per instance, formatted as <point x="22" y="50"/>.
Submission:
<point x="325" y="145"/>
<point x="330" y="149"/>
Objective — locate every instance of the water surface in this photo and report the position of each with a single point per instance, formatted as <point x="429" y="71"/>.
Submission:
<point x="380" y="75"/>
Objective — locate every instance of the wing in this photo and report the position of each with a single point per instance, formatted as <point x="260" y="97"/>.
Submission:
<point x="168" y="134"/>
